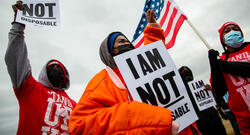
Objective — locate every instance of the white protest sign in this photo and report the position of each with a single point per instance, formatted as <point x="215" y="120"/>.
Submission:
<point x="40" y="13"/>
<point x="203" y="98"/>
<point x="151" y="77"/>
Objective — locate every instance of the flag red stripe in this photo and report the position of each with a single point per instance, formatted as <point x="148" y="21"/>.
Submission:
<point x="165" y="14"/>
<point x="170" y="23"/>
<point x="176" y="29"/>
<point x="140" y="42"/>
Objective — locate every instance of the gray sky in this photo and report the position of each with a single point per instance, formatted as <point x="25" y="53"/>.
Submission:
<point x="86" y="23"/>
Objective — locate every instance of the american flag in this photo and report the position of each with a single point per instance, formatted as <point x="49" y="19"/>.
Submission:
<point x="168" y="15"/>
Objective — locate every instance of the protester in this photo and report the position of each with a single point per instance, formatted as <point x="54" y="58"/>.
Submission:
<point x="106" y="106"/>
<point x="209" y="122"/>
<point x="231" y="72"/>
<point x="44" y="105"/>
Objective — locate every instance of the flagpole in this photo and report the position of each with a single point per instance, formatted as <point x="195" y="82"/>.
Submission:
<point x="199" y="35"/>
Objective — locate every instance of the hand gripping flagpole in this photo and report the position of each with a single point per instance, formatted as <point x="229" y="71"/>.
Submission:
<point x="199" y="35"/>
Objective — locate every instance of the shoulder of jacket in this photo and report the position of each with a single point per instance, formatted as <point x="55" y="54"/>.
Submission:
<point x="97" y="79"/>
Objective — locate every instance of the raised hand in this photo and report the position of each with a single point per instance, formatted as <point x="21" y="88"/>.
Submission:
<point x="17" y="6"/>
<point x="151" y="16"/>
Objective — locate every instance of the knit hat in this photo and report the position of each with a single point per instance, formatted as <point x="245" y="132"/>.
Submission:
<point x="223" y="27"/>
<point x="111" y="41"/>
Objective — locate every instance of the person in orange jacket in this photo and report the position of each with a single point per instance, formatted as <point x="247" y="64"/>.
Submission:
<point x="106" y="106"/>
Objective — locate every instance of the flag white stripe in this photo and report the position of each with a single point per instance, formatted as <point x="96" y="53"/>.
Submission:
<point x="135" y="42"/>
<point x="170" y="35"/>
<point x="163" y="11"/>
<point x="170" y="12"/>
<point x="138" y="39"/>
<point x="166" y="22"/>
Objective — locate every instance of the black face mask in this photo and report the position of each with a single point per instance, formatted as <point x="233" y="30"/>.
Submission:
<point x="187" y="76"/>
<point x="55" y="76"/>
<point x="125" y="48"/>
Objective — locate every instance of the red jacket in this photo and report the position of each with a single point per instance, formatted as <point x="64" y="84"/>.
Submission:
<point x="190" y="130"/>
<point x="42" y="110"/>
<point x="239" y="90"/>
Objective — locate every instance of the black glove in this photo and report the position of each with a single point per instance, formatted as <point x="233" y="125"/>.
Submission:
<point x="212" y="54"/>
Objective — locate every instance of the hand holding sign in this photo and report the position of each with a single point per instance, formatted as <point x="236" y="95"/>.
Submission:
<point x="17" y="6"/>
<point x="208" y="87"/>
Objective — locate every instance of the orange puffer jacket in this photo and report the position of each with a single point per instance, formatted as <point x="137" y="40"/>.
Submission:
<point x="105" y="108"/>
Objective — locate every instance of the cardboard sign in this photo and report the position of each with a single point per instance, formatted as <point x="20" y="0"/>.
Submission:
<point x="203" y="98"/>
<point x="40" y="13"/>
<point x="151" y="77"/>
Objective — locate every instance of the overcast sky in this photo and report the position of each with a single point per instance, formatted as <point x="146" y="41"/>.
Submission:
<point x="84" y="25"/>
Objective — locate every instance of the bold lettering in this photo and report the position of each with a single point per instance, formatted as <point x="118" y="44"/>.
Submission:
<point x="27" y="9"/>
<point x="155" y="59"/>
<point x="186" y="107"/>
<point x="156" y="83"/>
<point x="238" y="57"/>
<point x="201" y="83"/>
<point x="174" y="118"/>
<point x="47" y="118"/>
<point x="197" y="95"/>
<point x="144" y="65"/>
<point x="180" y="111"/>
<point x="237" y="82"/>
<point x="206" y="92"/>
<point x="169" y="76"/>
<point x="50" y="6"/>
<point x="54" y="131"/>
<point x="64" y="126"/>
<point x="202" y="94"/>
<point x="147" y="95"/>
<point x="245" y="93"/>
<point x="132" y="68"/>
<point x="176" y="114"/>
<point x="39" y="7"/>
<point x="193" y="86"/>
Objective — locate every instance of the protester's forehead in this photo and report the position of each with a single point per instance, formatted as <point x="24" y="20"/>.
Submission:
<point x="121" y="37"/>
<point x="230" y="26"/>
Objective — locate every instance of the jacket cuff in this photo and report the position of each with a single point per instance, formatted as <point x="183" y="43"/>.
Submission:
<point x="18" y="26"/>
<point x="154" y="25"/>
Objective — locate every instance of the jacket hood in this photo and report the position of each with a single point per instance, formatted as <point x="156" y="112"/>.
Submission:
<point x="105" y="56"/>
<point x="221" y="31"/>
<point x="186" y="76"/>
<point x="43" y="77"/>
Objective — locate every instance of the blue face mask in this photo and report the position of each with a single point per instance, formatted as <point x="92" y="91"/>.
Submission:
<point x="234" y="39"/>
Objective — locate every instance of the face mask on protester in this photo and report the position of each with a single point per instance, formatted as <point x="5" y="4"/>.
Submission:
<point x="124" y="48"/>
<point x="234" y="39"/>
<point x="56" y="76"/>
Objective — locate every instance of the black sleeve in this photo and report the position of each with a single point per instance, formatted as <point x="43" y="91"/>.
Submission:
<point x="217" y="80"/>
<point x="235" y="68"/>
